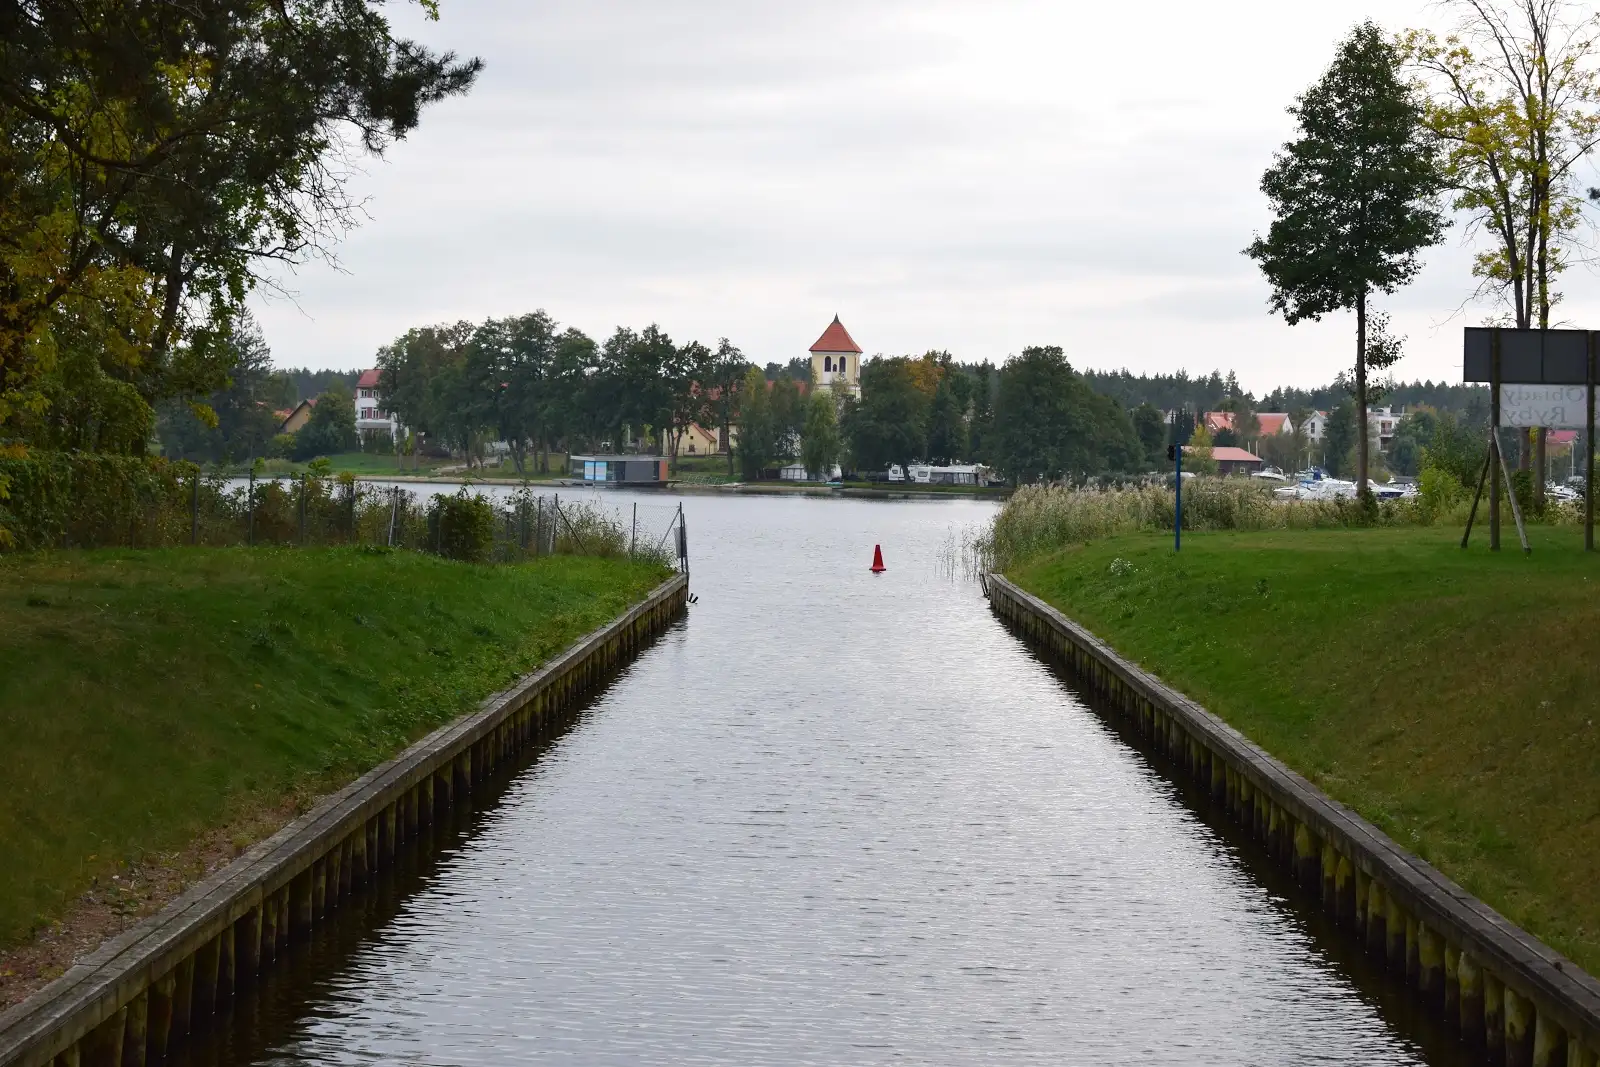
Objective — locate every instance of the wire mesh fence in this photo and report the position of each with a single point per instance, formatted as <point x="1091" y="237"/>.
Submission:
<point x="505" y="524"/>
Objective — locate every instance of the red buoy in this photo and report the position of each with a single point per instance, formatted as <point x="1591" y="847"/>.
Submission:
<point x="877" y="560"/>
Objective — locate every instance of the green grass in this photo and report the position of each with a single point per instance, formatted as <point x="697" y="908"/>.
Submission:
<point x="147" y="696"/>
<point x="1451" y="697"/>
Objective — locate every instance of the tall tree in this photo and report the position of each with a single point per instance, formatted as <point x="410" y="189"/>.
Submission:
<point x="720" y="391"/>
<point x="1049" y="424"/>
<point x="1151" y="426"/>
<point x="947" y="423"/>
<point x="156" y="153"/>
<point x="1514" y="96"/>
<point x="757" y="444"/>
<point x="888" y="425"/>
<point x="1353" y="196"/>
<point x="819" y="441"/>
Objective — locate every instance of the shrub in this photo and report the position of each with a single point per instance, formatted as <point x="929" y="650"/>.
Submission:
<point x="462" y="527"/>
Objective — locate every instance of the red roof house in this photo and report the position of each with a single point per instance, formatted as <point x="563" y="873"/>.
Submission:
<point x="368" y="379"/>
<point x="1231" y="460"/>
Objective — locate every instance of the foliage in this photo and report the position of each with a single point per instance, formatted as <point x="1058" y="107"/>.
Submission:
<point x="758" y="434"/>
<point x="462" y="527"/>
<point x="236" y="422"/>
<point x="947" y="428"/>
<point x="1151" y="428"/>
<point x="332" y="426"/>
<point x="1514" y="97"/>
<point x="889" y="424"/>
<point x="1049" y="424"/>
<point x="1353" y="197"/>
<point x="819" y="441"/>
<point x="157" y="153"/>
<point x="1038" y="520"/>
<point x="1339" y="438"/>
<point x="1197" y="454"/>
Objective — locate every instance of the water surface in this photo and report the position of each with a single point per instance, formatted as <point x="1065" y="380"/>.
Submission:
<point x="831" y="818"/>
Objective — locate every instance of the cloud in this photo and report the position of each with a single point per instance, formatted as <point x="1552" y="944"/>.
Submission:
<point x="972" y="175"/>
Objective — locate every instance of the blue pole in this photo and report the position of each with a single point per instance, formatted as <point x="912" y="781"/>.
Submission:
<point x="1177" y="526"/>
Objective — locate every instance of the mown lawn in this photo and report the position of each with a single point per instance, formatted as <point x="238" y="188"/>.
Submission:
<point x="1451" y="697"/>
<point x="147" y="696"/>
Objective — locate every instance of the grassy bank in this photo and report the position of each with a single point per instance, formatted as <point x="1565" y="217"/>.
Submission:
<point x="147" y="697"/>
<point x="1451" y="697"/>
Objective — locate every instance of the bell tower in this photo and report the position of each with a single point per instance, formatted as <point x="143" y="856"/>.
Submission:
<point x="836" y="360"/>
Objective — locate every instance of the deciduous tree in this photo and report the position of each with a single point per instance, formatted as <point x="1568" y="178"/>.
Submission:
<point x="1353" y="196"/>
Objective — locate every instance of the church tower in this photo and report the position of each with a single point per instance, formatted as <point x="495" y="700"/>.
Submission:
<point x="836" y="358"/>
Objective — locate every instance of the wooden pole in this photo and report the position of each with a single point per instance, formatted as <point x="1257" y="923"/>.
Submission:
<point x="1488" y="459"/>
<point x="1494" y="440"/>
<point x="1516" y="509"/>
<point x="1588" y="459"/>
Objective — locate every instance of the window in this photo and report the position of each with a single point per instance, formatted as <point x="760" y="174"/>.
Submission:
<point x="827" y="363"/>
<point x="841" y="364"/>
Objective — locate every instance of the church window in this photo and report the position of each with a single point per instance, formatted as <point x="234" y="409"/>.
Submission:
<point x="841" y="363"/>
<point x="827" y="363"/>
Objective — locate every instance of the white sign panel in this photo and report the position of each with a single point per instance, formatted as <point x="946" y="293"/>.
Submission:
<point x="1559" y="407"/>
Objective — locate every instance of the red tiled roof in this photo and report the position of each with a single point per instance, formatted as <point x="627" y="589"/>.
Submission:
<point x="836" y="339"/>
<point x="1271" y="421"/>
<point x="1561" y="437"/>
<point x="368" y="380"/>
<point x="1219" y="420"/>
<point x="1233" y="455"/>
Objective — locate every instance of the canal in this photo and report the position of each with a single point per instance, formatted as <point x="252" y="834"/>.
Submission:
<point x="831" y="818"/>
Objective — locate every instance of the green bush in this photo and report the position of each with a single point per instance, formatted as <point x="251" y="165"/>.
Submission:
<point x="462" y="527"/>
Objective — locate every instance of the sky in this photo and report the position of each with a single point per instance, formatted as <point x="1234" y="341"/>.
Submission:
<point x="968" y="175"/>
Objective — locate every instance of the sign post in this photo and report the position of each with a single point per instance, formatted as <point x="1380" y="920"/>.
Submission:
<point x="1494" y="441"/>
<point x="1588" y="459"/>
<point x="1175" y="453"/>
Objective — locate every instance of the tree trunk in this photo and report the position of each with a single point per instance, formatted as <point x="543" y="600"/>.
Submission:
<point x="1361" y="394"/>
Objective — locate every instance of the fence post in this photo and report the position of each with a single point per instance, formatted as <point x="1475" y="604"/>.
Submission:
<point x="633" y="538"/>
<point x="302" y="510"/>
<point x="394" y="509"/>
<point x="194" y="510"/>
<point x="355" y="489"/>
<point x="250" y="508"/>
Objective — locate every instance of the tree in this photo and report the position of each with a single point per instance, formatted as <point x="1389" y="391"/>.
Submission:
<point x="757" y="433"/>
<point x="1197" y="455"/>
<point x="819" y="442"/>
<point x="244" y="420"/>
<point x="331" y="428"/>
<point x="984" y="383"/>
<point x="720" y="392"/>
<point x="1049" y="424"/>
<point x="947" y="424"/>
<point x="1151" y="426"/>
<point x="1339" y="438"/>
<point x="157" y="153"/>
<point x="889" y="424"/>
<point x="1353" y="196"/>
<point x="689" y="366"/>
<point x="1515" y="98"/>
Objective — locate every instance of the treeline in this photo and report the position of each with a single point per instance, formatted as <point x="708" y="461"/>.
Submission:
<point x="1180" y="392"/>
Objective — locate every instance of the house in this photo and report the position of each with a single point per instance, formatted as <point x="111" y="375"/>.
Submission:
<point x="1381" y="424"/>
<point x="696" y="440"/>
<point x="371" y="419"/>
<point x="1231" y="460"/>
<point x="836" y="359"/>
<point x="296" y="418"/>
<point x="1270" y="422"/>
<point x="1316" y="425"/>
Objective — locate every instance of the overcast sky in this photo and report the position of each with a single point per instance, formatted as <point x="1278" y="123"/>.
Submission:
<point x="970" y="175"/>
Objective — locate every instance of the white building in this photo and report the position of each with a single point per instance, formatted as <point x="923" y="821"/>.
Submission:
<point x="1316" y="425"/>
<point x="370" y="416"/>
<point x="836" y="360"/>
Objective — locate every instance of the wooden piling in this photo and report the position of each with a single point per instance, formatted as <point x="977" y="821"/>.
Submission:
<point x="158" y="1021"/>
<point x="204" y="1001"/>
<point x="1519" y="1029"/>
<point x="1494" y="1017"/>
<point x="102" y="1046"/>
<point x="1469" y="977"/>
<point x="135" y="1031"/>
<point x="182" y="998"/>
<point x="1549" y="1042"/>
<point x="247" y="946"/>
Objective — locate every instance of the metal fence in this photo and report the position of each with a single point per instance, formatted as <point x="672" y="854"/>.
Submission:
<point x="489" y="522"/>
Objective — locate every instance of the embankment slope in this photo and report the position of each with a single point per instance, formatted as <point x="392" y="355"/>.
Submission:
<point x="1450" y="697"/>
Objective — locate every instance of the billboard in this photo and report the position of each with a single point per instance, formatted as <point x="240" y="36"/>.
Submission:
<point x="1532" y="357"/>
<point x="1559" y="407"/>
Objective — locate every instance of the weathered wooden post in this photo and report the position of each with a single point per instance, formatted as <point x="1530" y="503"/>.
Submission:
<point x="1494" y="439"/>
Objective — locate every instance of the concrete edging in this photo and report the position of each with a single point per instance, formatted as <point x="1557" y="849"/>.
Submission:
<point x="139" y="993"/>
<point x="1511" y="997"/>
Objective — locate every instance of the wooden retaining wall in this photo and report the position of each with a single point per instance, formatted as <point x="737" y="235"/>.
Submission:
<point x="142" y="992"/>
<point x="1511" y="998"/>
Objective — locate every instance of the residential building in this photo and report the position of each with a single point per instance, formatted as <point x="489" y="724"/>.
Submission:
<point x="1316" y="425"/>
<point x="836" y="359"/>
<point x="697" y="440"/>
<point x="295" y="419"/>
<point x="1231" y="460"/>
<point x="1381" y="424"/>
<point x="1270" y="422"/>
<point x="371" y="418"/>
